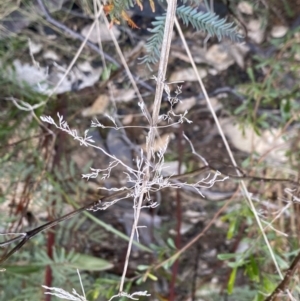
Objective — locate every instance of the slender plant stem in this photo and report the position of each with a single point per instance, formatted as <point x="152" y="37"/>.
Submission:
<point x="242" y="183"/>
<point x="151" y="136"/>
<point x="128" y="72"/>
<point x="178" y="216"/>
<point x="73" y="33"/>
<point x="286" y="280"/>
<point x="196" y="238"/>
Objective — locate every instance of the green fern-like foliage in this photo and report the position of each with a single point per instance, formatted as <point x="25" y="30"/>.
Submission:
<point x="154" y="42"/>
<point x="119" y="7"/>
<point x="207" y="21"/>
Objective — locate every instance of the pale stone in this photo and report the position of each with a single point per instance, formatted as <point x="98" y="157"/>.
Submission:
<point x="51" y="55"/>
<point x="43" y="81"/>
<point x="159" y="143"/>
<point x="238" y="53"/>
<point x="215" y="103"/>
<point x="98" y="107"/>
<point x="245" y="8"/>
<point x="185" y="228"/>
<point x="171" y="168"/>
<point x="35" y="48"/>
<point x="270" y="143"/>
<point x="29" y="74"/>
<point x="297" y="56"/>
<point x="218" y="56"/>
<point x="85" y="66"/>
<point x="105" y="34"/>
<point x="185" y="105"/>
<point x="88" y="76"/>
<point x="279" y="31"/>
<point x="255" y="31"/>
<point x="187" y="75"/>
<point x="124" y="95"/>
<point x="128" y="119"/>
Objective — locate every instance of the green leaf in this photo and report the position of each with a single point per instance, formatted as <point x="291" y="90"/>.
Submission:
<point x="152" y="277"/>
<point x="241" y="108"/>
<point x="231" y="281"/>
<point x="268" y="283"/>
<point x="106" y="74"/>
<point x="226" y="256"/>
<point x="24" y="269"/>
<point x="238" y="263"/>
<point x="252" y="270"/>
<point x="232" y="227"/>
<point x="170" y="262"/>
<point x="171" y="243"/>
<point x="139" y="281"/>
<point x="142" y="267"/>
<point x="251" y="74"/>
<point x="90" y="263"/>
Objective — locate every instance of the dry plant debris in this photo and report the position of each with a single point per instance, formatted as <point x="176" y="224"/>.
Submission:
<point x="207" y="232"/>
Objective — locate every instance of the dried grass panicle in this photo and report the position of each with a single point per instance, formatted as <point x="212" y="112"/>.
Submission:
<point x="148" y="175"/>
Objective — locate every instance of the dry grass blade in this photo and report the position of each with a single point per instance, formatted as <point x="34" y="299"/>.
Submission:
<point x="151" y="136"/>
<point x="242" y="183"/>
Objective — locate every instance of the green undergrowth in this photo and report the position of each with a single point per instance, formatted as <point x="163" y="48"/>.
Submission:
<point x="272" y="95"/>
<point x="270" y="98"/>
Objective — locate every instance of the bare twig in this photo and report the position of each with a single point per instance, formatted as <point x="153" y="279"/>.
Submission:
<point x="85" y="40"/>
<point x="196" y="238"/>
<point x="26" y="236"/>
<point x="178" y="218"/>
<point x="129" y="74"/>
<point x="73" y="33"/>
<point x="151" y="136"/>
<point x="30" y="234"/>
<point x="282" y="286"/>
<point x="221" y="132"/>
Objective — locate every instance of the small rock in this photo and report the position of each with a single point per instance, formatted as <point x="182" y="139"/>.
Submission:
<point x="212" y="71"/>
<point x="238" y="53"/>
<point x="104" y="32"/>
<point x="128" y="118"/>
<point x="218" y="56"/>
<point x="255" y="31"/>
<point x="159" y="143"/>
<point x="85" y="66"/>
<point x="245" y="8"/>
<point x="279" y="31"/>
<point x="242" y="247"/>
<point x="43" y="80"/>
<point x="124" y="95"/>
<point x="185" y="105"/>
<point x="98" y="107"/>
<point x="187" y="75"/>
<point x="35" y="48"/>
<point x="270" y="143"/>
<point x="51" y="55"/>
<point x="297" y="56"/>
<point x="171" y="168"/>
<point x="119" y="148"/>
<point x="185" y="228"/>
<point x="29" y="74"/>
<point x="216" y="103"/>
<point x="86" y="74"/>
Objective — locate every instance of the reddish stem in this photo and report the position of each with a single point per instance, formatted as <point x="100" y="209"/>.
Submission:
<point x="60" y="148"/>
<point x="48" y="272"/>
<point x="178" y="218"/>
